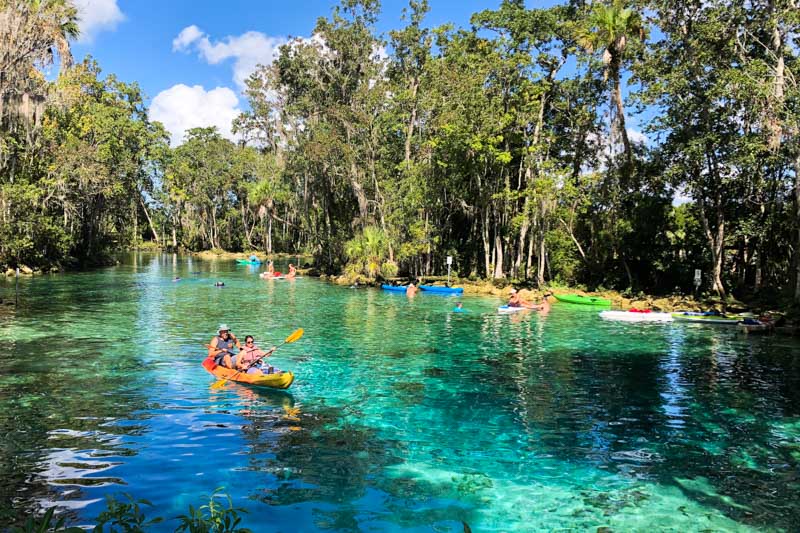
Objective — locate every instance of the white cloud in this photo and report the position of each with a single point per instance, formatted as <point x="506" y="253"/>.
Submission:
<point x="636" y="137"/>
<point x="182" y="107"/>
<point x="247" y="50"/>
<point x="97" y="15"/>
<point x="187" y="36"/>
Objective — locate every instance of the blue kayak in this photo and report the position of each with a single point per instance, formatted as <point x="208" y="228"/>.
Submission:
<point x="443" y="290"/>
<point x="395" y="288"/>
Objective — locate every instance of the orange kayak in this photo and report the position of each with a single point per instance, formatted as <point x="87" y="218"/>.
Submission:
<point x="275" y="381"/>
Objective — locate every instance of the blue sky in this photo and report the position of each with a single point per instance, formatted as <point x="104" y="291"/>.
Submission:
<point x="196" y="80"/>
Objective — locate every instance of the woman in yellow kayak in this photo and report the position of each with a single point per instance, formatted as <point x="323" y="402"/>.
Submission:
<point x="251" y="358"/>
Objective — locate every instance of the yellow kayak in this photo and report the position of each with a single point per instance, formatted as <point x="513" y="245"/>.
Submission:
<point x="282" y="380"/>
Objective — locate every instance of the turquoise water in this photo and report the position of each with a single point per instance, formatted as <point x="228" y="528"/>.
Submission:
<point x="404" y="416"/>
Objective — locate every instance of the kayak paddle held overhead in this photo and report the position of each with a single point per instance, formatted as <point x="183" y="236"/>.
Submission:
<point x="290" y="339"/>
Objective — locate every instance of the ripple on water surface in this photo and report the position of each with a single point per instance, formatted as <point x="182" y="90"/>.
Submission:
<point x="404" y="416"/>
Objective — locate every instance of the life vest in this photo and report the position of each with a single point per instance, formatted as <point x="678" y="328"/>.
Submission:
<point x="249" y="355"/>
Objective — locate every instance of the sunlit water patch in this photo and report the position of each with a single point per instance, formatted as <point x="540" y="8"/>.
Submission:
<point x="404" y="416"/>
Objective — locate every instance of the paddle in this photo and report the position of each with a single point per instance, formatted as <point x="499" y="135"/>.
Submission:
<point x="291" y="338"/>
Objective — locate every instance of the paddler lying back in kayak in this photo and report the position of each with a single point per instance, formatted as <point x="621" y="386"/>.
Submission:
<point x="515" y="300"/>
<point x="251" y="358"/>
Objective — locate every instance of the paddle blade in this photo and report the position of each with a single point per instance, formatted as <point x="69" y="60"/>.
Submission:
<point x="294" y="336"/>
<point x="219" y="384"/>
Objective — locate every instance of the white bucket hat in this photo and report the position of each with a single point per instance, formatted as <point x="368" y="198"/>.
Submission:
<point x="223" y="327"/>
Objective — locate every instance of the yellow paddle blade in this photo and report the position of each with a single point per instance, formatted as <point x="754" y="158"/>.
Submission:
<point x="294" y="336"/>
<point x="219" y="384"/>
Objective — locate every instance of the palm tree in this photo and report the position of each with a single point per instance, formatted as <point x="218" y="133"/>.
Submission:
<point x="367" y="253"/>
<point x="608" y="28"/>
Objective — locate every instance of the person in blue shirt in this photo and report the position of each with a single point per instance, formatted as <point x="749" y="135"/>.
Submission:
<point x="459" y="308"/>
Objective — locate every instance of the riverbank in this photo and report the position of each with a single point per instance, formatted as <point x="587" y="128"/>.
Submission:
<point x="262" y="256"/>
<point x="784" y="316"/>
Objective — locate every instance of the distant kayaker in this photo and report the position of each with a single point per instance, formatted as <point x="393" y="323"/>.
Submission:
<point x="544" y="307"/>
<point x="270" y="267"/>
<point x="221" y="347"/>
<point x="292" y="272"/>
<point x="459" y="308"/>
<point x="411" y="290"/>
<point x="219" y="284"/>
<point x="516" y="301"/>
<point x="251" y="358"/>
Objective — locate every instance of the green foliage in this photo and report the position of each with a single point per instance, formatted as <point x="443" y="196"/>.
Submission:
<point x="212" y="517"/>
<point x="125" y="516"/>
<point x="472" y="142"/>
<point x="128" y="516"/>
<point x="45" y="524"/>
<point x="367" y="253"/>
<point x="76" y="192"/>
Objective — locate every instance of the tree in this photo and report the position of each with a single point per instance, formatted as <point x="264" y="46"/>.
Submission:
<point x="33" y="35"/>
<point x="367" y="254"/>
<point x="609" y="27"/>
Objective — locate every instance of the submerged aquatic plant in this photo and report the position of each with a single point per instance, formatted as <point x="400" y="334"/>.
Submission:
<point x="45" y="524"/>
<point x="129" y="517"/>
<point x="213" y="517"/>
<point x="125" y="516"/>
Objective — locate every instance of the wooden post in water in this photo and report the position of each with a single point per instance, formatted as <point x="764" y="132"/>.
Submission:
<point x="16" y="288"/>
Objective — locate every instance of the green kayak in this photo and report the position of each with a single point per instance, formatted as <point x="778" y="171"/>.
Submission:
<point x="583" y="300"/>
<point x="247" y="262"/>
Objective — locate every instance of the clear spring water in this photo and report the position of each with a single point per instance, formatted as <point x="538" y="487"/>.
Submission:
<point x="404" y="416"/>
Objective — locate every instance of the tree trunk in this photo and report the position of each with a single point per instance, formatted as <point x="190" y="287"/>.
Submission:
<point x="358" y="190"/>
<point x="429" y="254"/>
<point x="214" y="229"/>
<point x="269" y="235"/>
<point x="498" y="249"/>
<point x="529" y="261"/>
<point x="542" y="257"/>
<point x="797" y="225"/>
<point x="627" y="269"/>
<point x="150" y="221"/>
<point x="248" y="232"/>
<point x="776" y="106"/>
<point x="135" y="224"/>
<point x="523" y="234"/>
<point x="486" y="244"/>
<point x="620" y="118"/>
<point x="411" y="121"/>
<point x="716" y="244"/>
